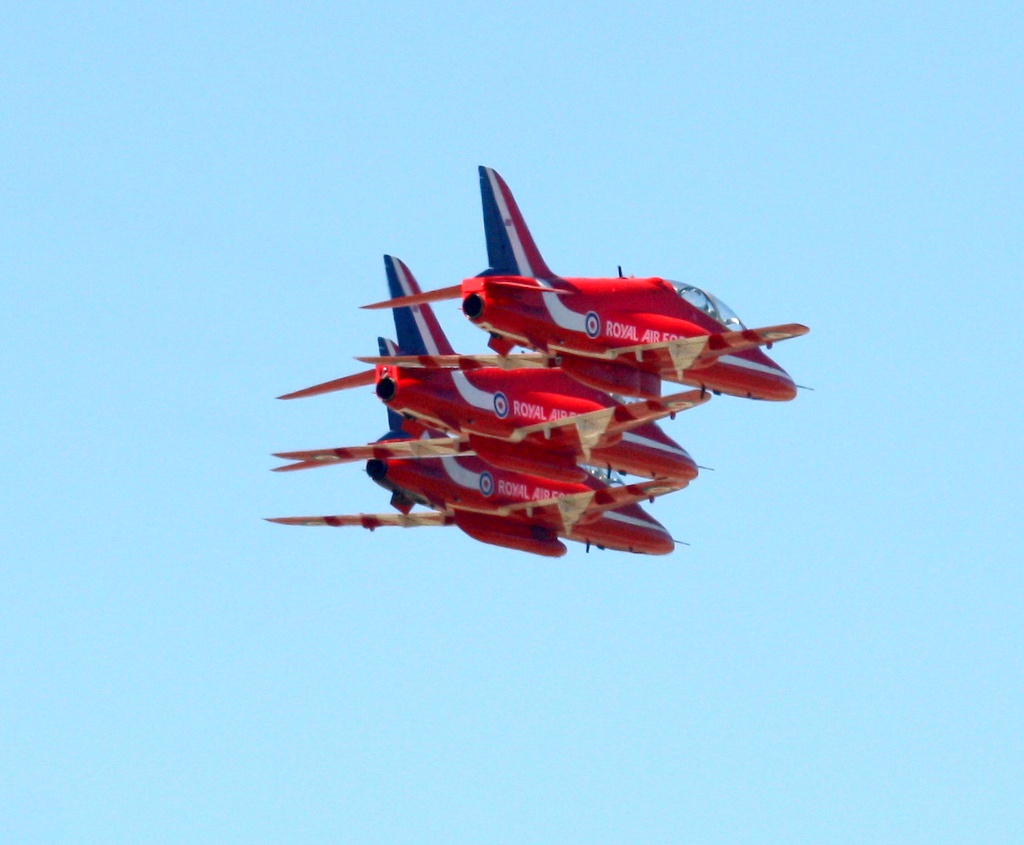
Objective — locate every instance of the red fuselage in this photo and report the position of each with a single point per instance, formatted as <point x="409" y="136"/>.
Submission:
<point x="593" y="316"/>
<point x="492" y="406"/>
<point x="478" y="494"/>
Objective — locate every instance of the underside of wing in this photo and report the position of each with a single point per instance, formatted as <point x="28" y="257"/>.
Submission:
<point x="632" y="415"/>
<point x="686" y="351"/>
<point x="371" y="520"/>
<point x="595" y="425"/>
<point x="570" y="509"/>
<point x="432" y="447"/>
<point x="730" y="342"/>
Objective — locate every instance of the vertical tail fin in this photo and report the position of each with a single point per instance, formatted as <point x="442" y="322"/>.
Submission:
<point x="510" y="246"/>
<point x="419" y="333"/>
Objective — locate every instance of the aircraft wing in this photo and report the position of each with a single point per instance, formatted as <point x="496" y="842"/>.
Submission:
<point x="371" y="520"/>
<point x="461" y="362"/>
<point x="430" y="447"/>
<point x="686" y="351"/>
<point x="573" y="507"/>
<point x="593" y="426"/>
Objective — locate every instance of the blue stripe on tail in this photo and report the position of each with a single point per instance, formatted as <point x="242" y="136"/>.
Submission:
<point x="500" y="256"/>
<point x="409" y="337"/>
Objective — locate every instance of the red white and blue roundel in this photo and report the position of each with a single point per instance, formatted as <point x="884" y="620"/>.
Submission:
<point x="486" y="483"/>
<point x="592" y="324"/>
<point x="501" y="405"/>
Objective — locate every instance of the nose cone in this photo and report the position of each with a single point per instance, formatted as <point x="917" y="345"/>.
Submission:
<point x="784" y="388"/>
<point x="653" y="539"/>
<point x="686" y="467"/>
<point x="657" y="540"/>
<point x="768" y="379"/>
<point x="628" y="529"/>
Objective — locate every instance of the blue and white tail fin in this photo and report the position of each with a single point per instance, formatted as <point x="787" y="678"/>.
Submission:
<point x="419" y="333"/>
<point x="511" y="249"/>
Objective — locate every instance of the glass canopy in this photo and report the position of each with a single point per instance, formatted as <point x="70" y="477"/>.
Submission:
<point x="710" y="305"/>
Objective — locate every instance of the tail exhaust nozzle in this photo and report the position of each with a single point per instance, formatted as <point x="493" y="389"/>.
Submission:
<point x="386" y="389"/>
<point x="473" y="306"/>
<point x="376" y="469"/>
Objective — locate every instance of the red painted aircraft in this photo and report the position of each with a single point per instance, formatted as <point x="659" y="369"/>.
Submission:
<point x="618" y="335"/>
<point x="505" y="508"/>
<point x="530" y="420"/>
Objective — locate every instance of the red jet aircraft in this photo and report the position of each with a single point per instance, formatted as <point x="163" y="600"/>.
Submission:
<point x="619" y="335"/>
<point x="511" y="509"/>
<point x="530" y="420"/>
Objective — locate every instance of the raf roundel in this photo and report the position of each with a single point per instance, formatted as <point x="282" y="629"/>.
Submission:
<point x="592" y="324"/>
<point x="501" y="405"/>
<point x="486" y="483"/>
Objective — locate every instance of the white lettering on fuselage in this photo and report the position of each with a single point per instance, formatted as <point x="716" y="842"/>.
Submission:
<point x="627" y="331"/>
<point x="525" y="493"/>
<point x="654" y="336"/>
<point x="532" y="411"/>
<point x="620" y="331"/>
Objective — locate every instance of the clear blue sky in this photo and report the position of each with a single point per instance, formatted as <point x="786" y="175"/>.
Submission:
<point x="193" y="203"/>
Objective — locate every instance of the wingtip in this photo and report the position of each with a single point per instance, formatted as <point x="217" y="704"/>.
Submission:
<point x="295" y="520"/>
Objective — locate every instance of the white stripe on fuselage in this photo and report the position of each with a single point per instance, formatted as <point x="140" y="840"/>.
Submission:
<point x="630" y="437"/>
<point x="460" y="475"/>
<point x="564" y="317"/>
<point x="471" y="393"/>
<point x="651" y="525"/>
<point x="752" y="365"/>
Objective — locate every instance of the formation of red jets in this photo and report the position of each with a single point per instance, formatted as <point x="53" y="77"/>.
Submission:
<point x="522" y="450"/>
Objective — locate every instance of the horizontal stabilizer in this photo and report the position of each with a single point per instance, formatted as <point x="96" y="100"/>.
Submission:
<point x="500" y="282"/>
<point x="431" y="447"/>
<point x="529" y="360"/>
<point x="370" y="520"/>
<point x="453" y="292"/>
<point x="358" y="380"/>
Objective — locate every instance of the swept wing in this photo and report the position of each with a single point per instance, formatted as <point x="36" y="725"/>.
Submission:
<point x="371" y="520"/>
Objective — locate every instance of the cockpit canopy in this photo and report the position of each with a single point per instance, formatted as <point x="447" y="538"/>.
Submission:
<point x="710" y="305"/>
<point x="604" y="474"/>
